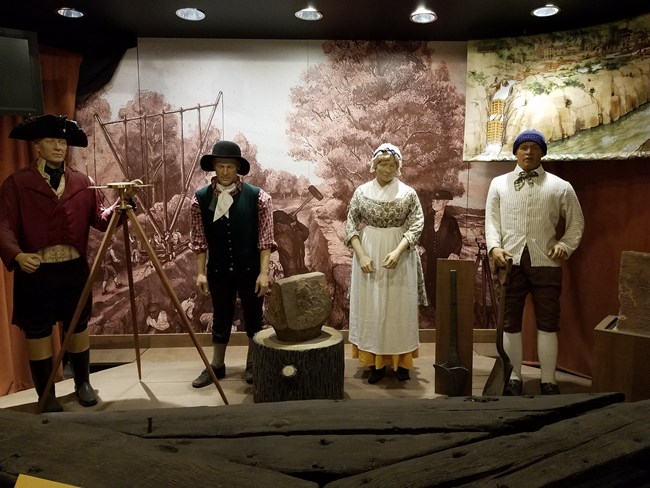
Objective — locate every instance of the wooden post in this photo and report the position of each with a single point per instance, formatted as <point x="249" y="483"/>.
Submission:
<point x="465" y="272"/>
<point x="306" y="370"/>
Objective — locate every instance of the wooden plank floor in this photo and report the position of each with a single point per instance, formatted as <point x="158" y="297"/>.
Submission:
<point x="167" y="374"/>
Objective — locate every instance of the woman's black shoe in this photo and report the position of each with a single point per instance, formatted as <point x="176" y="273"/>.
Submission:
<point x="403" y="374"/>
<point x="376" y="374"/>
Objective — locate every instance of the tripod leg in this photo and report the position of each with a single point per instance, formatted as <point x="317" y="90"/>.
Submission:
<point x="172" y="295"/>
<point x="94" y="271"/>
<point x="129" y="272"/>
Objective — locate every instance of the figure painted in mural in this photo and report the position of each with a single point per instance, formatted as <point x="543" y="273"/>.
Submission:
<point x="290" y="235"/>
<point x="522" y="212"/>
<point x="108" y="265"/>
<point x="441" y="238"/>
<point x="383" y="227"/>
<point x="157" y="319"/>
<point x="232" y="235"/>
<point x="46" y="211"/>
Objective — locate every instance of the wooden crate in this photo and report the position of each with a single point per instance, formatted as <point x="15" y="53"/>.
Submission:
<point x="620" y="361"/>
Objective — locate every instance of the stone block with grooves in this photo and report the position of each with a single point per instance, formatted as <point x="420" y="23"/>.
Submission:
<point x="634" y="293"/>
<point x="299" y="306"/>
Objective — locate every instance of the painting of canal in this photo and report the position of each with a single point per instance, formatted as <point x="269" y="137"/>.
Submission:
<point x="586" y="90"/>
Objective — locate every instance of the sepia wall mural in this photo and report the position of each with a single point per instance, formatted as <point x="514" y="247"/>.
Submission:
<point x="586" y="90"/>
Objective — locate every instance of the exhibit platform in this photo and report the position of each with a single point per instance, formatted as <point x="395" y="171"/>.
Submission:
<point x="167" y="373"/>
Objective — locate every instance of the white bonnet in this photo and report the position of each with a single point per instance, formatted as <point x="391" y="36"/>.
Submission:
<point x="381" y="154"/>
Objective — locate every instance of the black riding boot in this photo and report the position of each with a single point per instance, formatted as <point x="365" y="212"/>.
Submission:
<point x="41" y="371"/>
<point x="80" y="362"/>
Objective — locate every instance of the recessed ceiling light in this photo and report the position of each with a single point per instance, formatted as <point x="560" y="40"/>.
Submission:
<point x="190" y="13"/>
<point x="69" y="12"/>
<point x="547" y="10"/>
<point x="423" y="15"/>
<point x="309" y="13"/>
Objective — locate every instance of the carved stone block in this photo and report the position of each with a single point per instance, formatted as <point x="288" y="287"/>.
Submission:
<point x="634" y="293"/>
<point x="299" y="306"/>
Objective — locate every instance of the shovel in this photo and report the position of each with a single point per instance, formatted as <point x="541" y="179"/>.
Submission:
<point x="502" y="368"/>
<point x="452" y="373"/>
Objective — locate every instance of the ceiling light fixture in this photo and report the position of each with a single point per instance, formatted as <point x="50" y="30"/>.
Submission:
<point x="69" y="12"/>
<point x="547" y="10"/>
<point x="309" y="13"/>
<point x="190" y="13"/>
<point x="423" y="15"/>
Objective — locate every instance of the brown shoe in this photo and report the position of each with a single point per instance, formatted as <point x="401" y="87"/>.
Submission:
<point x="514" y="388"/>
<point x="549" y="389"/>
<point x="204" y="378"/>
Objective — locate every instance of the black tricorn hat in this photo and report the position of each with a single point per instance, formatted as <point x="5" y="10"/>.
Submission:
<point x="56" y="126"/>
<point x="225" y="150"/>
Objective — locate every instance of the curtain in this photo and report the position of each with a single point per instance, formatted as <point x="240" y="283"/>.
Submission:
<point x="60" y="72"/>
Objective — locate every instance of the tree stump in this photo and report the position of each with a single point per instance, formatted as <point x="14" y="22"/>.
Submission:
<point x="308" y="370"/>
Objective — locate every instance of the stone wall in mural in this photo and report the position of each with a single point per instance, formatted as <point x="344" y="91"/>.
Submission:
<point x="586" y="90"/>
<point x="334" y="103"/>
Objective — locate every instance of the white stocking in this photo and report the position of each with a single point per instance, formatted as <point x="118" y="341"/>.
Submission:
<point x="547" y="353"/>
<point x="513" y="348"/>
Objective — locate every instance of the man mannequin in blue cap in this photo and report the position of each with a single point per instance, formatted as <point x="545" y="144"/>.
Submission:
<point x="46" y="211"/>
<point x="522" y="212"/>
<point x="232" y="229"/>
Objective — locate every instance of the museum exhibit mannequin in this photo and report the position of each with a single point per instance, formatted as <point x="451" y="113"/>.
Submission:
<point x="383" y="227"/>
<point x="232" y="236"/>
<point x="522" y="212"/>
<point x="46" y="211"/>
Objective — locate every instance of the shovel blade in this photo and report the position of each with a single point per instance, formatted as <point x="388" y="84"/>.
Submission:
<point x="498" y="379"/>
<point x="453" y="378"/>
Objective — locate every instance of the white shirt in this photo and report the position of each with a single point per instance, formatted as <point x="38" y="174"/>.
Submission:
<point x="514" y="219"/>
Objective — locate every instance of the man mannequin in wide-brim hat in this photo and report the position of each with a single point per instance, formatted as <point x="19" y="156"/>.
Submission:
<point x="441" y="238"/>
<point x="232" y="235"/>
<point x="522" y="212"/>
<point x="46" y="211"/>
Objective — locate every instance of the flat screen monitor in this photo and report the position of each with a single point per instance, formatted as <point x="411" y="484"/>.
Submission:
<point x="21" y="90"/>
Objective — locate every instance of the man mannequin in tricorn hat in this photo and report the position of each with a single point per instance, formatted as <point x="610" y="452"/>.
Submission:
<point x="232" y="235"/>
<point x="46" y="211"/>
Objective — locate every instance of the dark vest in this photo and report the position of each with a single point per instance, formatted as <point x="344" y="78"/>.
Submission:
<point x="232" y="242"/>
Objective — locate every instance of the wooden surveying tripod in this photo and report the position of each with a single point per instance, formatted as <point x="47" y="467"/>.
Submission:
<point x="124" y="208"/>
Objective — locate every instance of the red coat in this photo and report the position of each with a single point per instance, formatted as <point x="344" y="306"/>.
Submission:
<point x="32" y="217"/>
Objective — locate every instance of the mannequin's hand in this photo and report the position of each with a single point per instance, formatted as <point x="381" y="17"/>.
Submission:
<point x="366" y="264"/>
<point x="202" y="284"/>
<point x="557" y="252"/>
<point x="500" y="256"/>
<point x="391" y="260"/>
<point x="28" y="262"/>
<point x="262" y="284"/>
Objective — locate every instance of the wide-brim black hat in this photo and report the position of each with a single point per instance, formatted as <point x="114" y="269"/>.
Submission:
<point x="225" y="150"/>
<point x="441" y="194"/>
<point x="56" y="126"/>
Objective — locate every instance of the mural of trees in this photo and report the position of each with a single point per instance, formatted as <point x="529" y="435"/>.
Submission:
<point x="366" y="93"/>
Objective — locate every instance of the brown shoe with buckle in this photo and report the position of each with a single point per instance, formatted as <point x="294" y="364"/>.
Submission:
<point x="549" y="389"/>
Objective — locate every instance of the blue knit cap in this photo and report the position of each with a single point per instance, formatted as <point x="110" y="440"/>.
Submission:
<point x="530" y="135"/>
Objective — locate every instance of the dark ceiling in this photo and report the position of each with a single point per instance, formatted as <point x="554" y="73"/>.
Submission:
<point x="119" y="22"/>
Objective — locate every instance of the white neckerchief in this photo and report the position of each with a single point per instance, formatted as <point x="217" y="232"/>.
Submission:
<point x="387" y="193"/>
<point x="224" y="201"/>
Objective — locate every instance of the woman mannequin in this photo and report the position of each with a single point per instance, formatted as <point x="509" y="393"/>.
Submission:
<point x="384" y="224"/>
